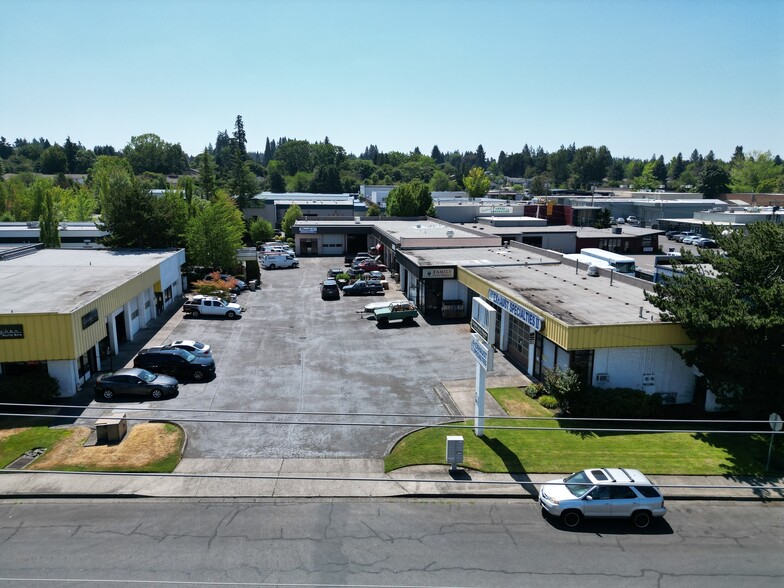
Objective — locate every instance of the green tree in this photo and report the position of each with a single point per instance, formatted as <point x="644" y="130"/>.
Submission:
<point x="53" y="160"/>
<point x="734" y="315"/>
<point x="410" y="199"/>
<point x="440" y="181"/>
<point x="49" y="221"/>
<point x="150" y="153"/>
<point x="603" y="219"/>
<point x="713" y="181"/>
<point x="293" y="213"/>
<point x="207" y="177"/>
<point x="294" y="156"/>
<point x="215" y="233"/>
<point x="476" y="183"/>
<point x="326" y="180"/>
<point x="756" y="173"/>
<point x="261" y="231"/>
<point x="373" y="210"/>
<point x="277" y="182"/>
<point x="538" y="187"/>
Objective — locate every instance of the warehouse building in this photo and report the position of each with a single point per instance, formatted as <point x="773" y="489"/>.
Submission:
<point x="66" y="312"/>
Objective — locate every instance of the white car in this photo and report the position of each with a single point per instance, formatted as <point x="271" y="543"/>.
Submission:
<point x="603" y="492"/>
<point x="197" y="348"/>
<point x="691" y="240"/>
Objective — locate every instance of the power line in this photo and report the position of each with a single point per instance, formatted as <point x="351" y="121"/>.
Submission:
<point x="414" y="425"/>
<point x="374" y="414"/>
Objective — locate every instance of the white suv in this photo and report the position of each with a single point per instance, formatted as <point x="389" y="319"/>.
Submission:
<point x="603" y="492"/>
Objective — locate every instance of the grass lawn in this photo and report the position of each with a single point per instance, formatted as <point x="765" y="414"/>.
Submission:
<point x="558" y="451"/>
<point x="148" y="447"/>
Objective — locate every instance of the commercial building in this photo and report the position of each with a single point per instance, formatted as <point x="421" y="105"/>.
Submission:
<point x="66" y="312"/>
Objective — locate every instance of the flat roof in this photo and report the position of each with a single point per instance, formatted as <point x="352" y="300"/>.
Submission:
<point x="62" y="280"/>
<point x="573" y="297"/>
<point x="550" y="285"/>
<point x="427" y="229"/>
<point x="475" y="256"/>
<point x="626" y="230"/>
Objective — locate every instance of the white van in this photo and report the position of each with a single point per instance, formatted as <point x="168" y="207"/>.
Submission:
<point x="279" y="260"/>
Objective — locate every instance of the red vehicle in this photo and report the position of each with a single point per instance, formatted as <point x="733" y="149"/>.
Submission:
<point x="371" y="265"/>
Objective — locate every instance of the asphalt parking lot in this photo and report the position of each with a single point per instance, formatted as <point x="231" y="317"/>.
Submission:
<point x="292" y="351"/>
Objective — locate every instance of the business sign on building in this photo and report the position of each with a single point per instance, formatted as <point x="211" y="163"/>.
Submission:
<point x="11" y="331"/>
<point x="432" y="273"/>
<point x="520" y="312"/>
<point x="495" y="210"/>
<point x="308" y="229"/>
<point x="90" y="318"/>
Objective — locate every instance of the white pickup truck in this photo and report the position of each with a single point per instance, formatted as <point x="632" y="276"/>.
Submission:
<point x="211" y="306"/>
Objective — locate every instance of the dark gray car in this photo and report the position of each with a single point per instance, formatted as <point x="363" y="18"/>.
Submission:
<point x="135" y="382"/>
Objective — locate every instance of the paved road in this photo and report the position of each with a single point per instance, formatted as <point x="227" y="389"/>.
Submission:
<point x="292" y="351"/>
<point x="399" y="543"/>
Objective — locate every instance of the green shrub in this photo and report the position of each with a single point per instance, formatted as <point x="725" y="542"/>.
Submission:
<point x="534" y="390"/>
<point x="548" y="401"/>
<point x="616" y="403"/>
<point x="29" y="388"/>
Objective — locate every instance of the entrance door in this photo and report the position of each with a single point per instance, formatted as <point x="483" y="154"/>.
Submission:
<point x="119" y="325"/>
<point x="433" y="296"/>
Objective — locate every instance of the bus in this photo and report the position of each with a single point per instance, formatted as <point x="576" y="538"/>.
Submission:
<point x="620" y="263"/>
<point x="586" y="259"/>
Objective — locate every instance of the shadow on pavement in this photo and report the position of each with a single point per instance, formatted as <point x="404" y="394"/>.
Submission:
<point x="512" y="463"/>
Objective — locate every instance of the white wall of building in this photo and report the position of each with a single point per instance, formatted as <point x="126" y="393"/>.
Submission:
<point x="66" y="373"/>
<point x="653" y="369"/>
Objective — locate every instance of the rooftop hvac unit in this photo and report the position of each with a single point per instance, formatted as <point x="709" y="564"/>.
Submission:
<point x="617" y="230"/>
<point x="450" y="234"/>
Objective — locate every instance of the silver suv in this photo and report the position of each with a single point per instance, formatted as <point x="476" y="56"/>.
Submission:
<point x="605" y="492"/>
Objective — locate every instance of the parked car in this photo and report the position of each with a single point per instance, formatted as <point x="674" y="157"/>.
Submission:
<point x="334" y="271"/>
<point x="198" y="349"/>
<point x="681" y="236"/>
<point x="272" y="261"/>
<point x="355" y="258"/>
<point x="706" y="243"/>
<point x="671" y="234"/>
<point x="134" y="382"/>
<point x="238" y="287"/>
<point x="175" y="362"/>
<point x="363" y="288"/>
<point x="691" y="240"/>
<point x="330" y="290"/>
<point x="371" y="265"/>
<point x="632" y="220"/>
<point x="603" y="492"/>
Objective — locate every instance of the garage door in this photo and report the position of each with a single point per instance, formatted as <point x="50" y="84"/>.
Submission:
<point x="332" y="244"/>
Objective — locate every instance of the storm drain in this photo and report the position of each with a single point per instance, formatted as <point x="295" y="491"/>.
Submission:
<point x="29" y="456"/>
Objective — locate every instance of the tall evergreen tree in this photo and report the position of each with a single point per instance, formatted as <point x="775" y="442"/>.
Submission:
<point x="207" y="178"/>
<point x="49" y="222"/>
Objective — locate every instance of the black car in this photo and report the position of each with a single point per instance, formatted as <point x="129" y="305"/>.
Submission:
<point x="330" y="290"/>
<point x="134" y="382"/>
<point x="175" y="362"/>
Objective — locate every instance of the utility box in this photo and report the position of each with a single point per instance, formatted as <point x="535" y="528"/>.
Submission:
<point x="111" y="429"/>
<point x="454" y="450"/>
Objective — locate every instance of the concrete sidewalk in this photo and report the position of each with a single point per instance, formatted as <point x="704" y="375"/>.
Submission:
<point x="341" y="478"/>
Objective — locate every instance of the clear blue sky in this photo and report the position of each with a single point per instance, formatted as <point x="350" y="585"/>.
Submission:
<point x="640" y="77"/>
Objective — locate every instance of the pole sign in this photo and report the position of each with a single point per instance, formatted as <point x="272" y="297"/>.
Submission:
<point x="483" y="318"/>
<point x="482" y="353"/>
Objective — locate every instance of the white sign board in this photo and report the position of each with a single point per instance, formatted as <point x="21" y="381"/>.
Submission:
<point x="775" y="422"/>
<point x="444" y="272"/>
<point x="483" y="318"/>
<point x="482" y="352"/>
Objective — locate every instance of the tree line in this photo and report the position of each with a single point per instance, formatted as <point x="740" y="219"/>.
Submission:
<point x="293" y="165"/>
